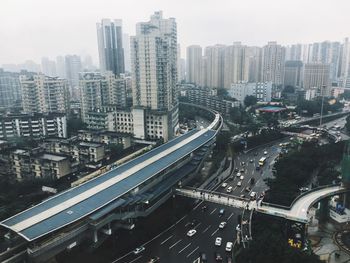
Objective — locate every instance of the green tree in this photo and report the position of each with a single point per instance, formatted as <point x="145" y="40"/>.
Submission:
<point x="74" y="125"/>
<point x="347" y="124"/>
<point x="115" y="150"/>
<point x="250" y="100"/>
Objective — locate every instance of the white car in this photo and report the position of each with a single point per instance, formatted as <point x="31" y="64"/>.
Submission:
<point x="224" y="185"/>
<point x="138" y="250"/>
<point x="191" y="232"/>
<point x="229" y="189"/>
<point x="241" y="177"/>
<point x="253" y="195"/>
<point x="239" y="184"/>
<point x="222" y="225"/>
<point x="218" y="241"/>
<point x="229" y="246"/>
<point x="265" y="152"/>
<point x="238" y="174"/>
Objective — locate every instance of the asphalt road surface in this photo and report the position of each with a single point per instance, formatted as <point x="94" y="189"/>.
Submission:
<point x="174" y="246"/>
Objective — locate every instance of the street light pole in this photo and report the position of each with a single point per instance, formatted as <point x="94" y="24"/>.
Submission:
<point x="322" y="90"/>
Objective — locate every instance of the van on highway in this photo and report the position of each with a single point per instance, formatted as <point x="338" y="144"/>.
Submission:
<point x="239" y="184"/>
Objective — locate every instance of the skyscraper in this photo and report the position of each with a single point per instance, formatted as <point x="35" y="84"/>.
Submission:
<point x="193" y="59"/>
<point x="236" y="64"/>
<point x="316" y="75"/>
<point x="48" y="67"/>
<point x="154" y="68"/>
<point x="273" y="63"/>
<point x="293" y="73"/>
<point x="10" y="89"/>
<point x="215" y="66"/>
<point x="110" y="46"/>
<point x="73" y="67"/>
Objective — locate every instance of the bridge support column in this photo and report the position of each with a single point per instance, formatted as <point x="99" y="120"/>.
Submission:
<point x="323" y="211"/>
<point x="95" y="236"/>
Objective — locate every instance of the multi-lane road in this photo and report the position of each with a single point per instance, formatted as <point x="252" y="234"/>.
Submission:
<point x="173" y="245"/>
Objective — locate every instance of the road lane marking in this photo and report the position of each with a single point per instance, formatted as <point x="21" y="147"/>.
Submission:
<point x="192" y="252"/>
<point x="213" y="211"/>
<point x="166" y="240"/>
<point x="230" y="216"/>
<point x="215" y="232"/>
<point x="197" y="225"/>
<point x="184" y="248"/>
<point x="187" y="223"/>
<point x="173" y="245"/>
<point x="205" y="230"/>
<point x="135" y="259"/>
<point x="197" y="205"/>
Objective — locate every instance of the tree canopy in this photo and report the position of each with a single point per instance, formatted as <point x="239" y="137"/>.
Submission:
<point x="250" y="100"/>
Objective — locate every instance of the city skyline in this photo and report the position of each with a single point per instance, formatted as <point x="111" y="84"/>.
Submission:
<point x="194" y="24"/>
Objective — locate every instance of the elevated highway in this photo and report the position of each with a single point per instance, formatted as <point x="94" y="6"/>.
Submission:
<point x="110" y="200"/>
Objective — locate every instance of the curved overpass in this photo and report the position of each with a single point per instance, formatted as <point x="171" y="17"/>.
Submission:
<point x="298" y="211"/>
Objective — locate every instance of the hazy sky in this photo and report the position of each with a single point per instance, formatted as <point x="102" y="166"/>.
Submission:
<point x="30" y="29"/>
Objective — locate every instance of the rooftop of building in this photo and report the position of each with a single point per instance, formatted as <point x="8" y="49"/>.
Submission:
<point x="52" y="157"/>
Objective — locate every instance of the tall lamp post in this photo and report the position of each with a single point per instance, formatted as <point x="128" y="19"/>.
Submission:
<point x="321" y="113"/>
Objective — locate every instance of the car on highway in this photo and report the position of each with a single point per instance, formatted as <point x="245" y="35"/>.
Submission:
<point x="252" y="180"/>
<point x="229" y="189"/>
<point x="218" y="257"/>
<point x="191" y="232"/>
<point x="241" y="171"/>
<point x="229" y="246"/>
<point x="247" y="189"/>
<point x="252" y="195"/>
<point x="257" y="168"/>
<point x="242" y="163"/>
<point x="239" y="184"/>
<point x="236" y="170"/>
<point x="203" y="257"/>
<point x="251" y="161"/>
<point x="221" y="212"/>
<point x="238" y="174"/>
<point x="224" y="185"/>
<point x="241" y="177"/>
<point x="222" y="225"/>
<point x="265" y="152"/>
<point x="138" y="250"/>
<point x="218" y="241"/>
<point x="154" y="260"/>
<point x="242" y="196"/>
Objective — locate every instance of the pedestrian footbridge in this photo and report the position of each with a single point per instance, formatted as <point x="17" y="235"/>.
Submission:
<point x="297" y="211"/>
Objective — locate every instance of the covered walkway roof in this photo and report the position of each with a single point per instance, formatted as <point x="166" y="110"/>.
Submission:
<point x="81" y="201"/>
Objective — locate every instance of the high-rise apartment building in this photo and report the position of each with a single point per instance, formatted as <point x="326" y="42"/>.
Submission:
<point x="73" y="68"/>
<point x="194" y="61"/>
<point x="293" y="73"/>
<point x="44" y="94"/>
<point x="345" y="64"/>
<point x="181" y="65"/>
<point x="48" y="67"/>
<point x="98" y="90"/>
<point x="110" y="46"/>
<point x="236" y="64"/>
<point x="273" y="63"/>
<point x="10" y="88"/>
<point x="126" y="47"/>
<point x="154" y="69"/>
<point x="316" y="75"/>
<point x="60" y="67"/>
<point x="215" y="56"/>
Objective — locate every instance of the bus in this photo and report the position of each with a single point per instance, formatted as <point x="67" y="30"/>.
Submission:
<point x="262" y="161"/>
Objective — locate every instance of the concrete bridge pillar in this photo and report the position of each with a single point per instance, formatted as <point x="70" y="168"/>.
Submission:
<point x="323" y="211"/>
<point x="95" y="236"/>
